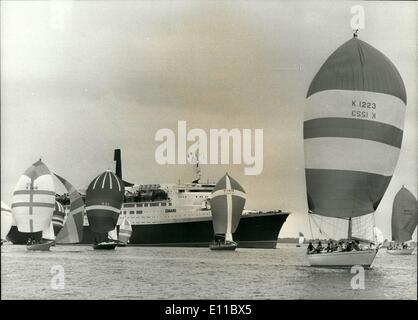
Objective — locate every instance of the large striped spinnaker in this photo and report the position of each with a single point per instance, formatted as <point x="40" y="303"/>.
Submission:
<point x="34" y="199"/>
<point x="353" y="130"/>
<point x="72" y="231"/>
<point x="404" y="215"/>
<point x="227" y="202"/>
<point x="104" y="198"/>
<point x="6" y="220"/>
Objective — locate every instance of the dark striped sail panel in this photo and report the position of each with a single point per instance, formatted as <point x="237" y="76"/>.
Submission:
<point x="34" y="199"/>
<point x="72" y="231"/>
<point x="227" y="202"/>
<point x="404" y="215"/>
<point x="353" y="129"/>
<point x="356" y="65"/>
<point x="338" y="193"/>
<point x="104" y="198"/>
<point x="6" y="220"/>
<point x="58" y="217"/>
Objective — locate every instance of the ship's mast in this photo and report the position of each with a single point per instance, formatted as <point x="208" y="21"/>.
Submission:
<point x="350" y="231"/>
<point x="197" y="168"/>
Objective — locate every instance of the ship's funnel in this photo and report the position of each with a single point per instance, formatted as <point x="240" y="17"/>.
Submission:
<point x="118" y="170"/>
<point x="118" y="160"/>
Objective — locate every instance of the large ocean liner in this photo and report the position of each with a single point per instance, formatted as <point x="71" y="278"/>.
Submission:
<point x="178" y="215"/>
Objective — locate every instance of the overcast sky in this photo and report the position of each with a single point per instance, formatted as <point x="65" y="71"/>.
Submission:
<point x="79" y="79"/>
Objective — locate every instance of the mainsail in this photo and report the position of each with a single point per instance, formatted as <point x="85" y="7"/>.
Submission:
<point x="34" y="199"/>
<point x="353" y="131"/>
<point x="6" y="220"/>
<point x="72" y="231"/>
<point x="125" y="231"/>
<point x="104" y="199"/>
<point x="404" y="215"/>
<point x="227" y="202"/>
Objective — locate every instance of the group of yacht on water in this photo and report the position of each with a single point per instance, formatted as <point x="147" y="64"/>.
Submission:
<point x="343" y="131"/>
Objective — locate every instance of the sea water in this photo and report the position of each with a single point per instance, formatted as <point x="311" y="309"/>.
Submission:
<point x="79" y="272"/>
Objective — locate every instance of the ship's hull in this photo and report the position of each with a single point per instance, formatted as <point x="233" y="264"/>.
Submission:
<point x="254" y="231"/>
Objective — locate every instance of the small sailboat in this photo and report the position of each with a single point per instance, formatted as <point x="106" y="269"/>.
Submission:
<point x="353" y="130"/>
<point x="6" y="221"/>
<point x="104" y="199"/>
<point x="404" y="222"/>
<point x="33" y="204"/>
<point x="227" y="202"/>
<point x="301" y="239"/>
<point x="72" y="229"/>
<point x="125" y="232"/>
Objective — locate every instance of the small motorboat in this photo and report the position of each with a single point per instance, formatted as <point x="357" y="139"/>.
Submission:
<point x="105" y="245"/>
<point x="343" y="259"/>
<point x="406" y="251"/>
<point x="41" y="246"/>
<point x="227" y="245"/>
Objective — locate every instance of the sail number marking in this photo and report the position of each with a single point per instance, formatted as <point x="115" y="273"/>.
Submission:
<point x="369" y="113"/>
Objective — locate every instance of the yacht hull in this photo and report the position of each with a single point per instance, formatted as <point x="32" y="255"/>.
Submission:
<point x="363" y="258"/>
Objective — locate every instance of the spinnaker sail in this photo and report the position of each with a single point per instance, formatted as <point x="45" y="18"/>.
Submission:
<point x="72" y="230"/>
<point x="227" y="202"/>
<point x="34" y="199"/>
<point x="104" y="199"/>
<point x="353" y="131"/>
<point x="404" y="215"/>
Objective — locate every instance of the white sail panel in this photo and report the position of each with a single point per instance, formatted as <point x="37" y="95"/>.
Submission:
<point x="350" y="154"/>
<point x="380" y="107"/>
<point x="49" y="234"/>
<point x="113" y="235"/>
<point x="6" y="220"/>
